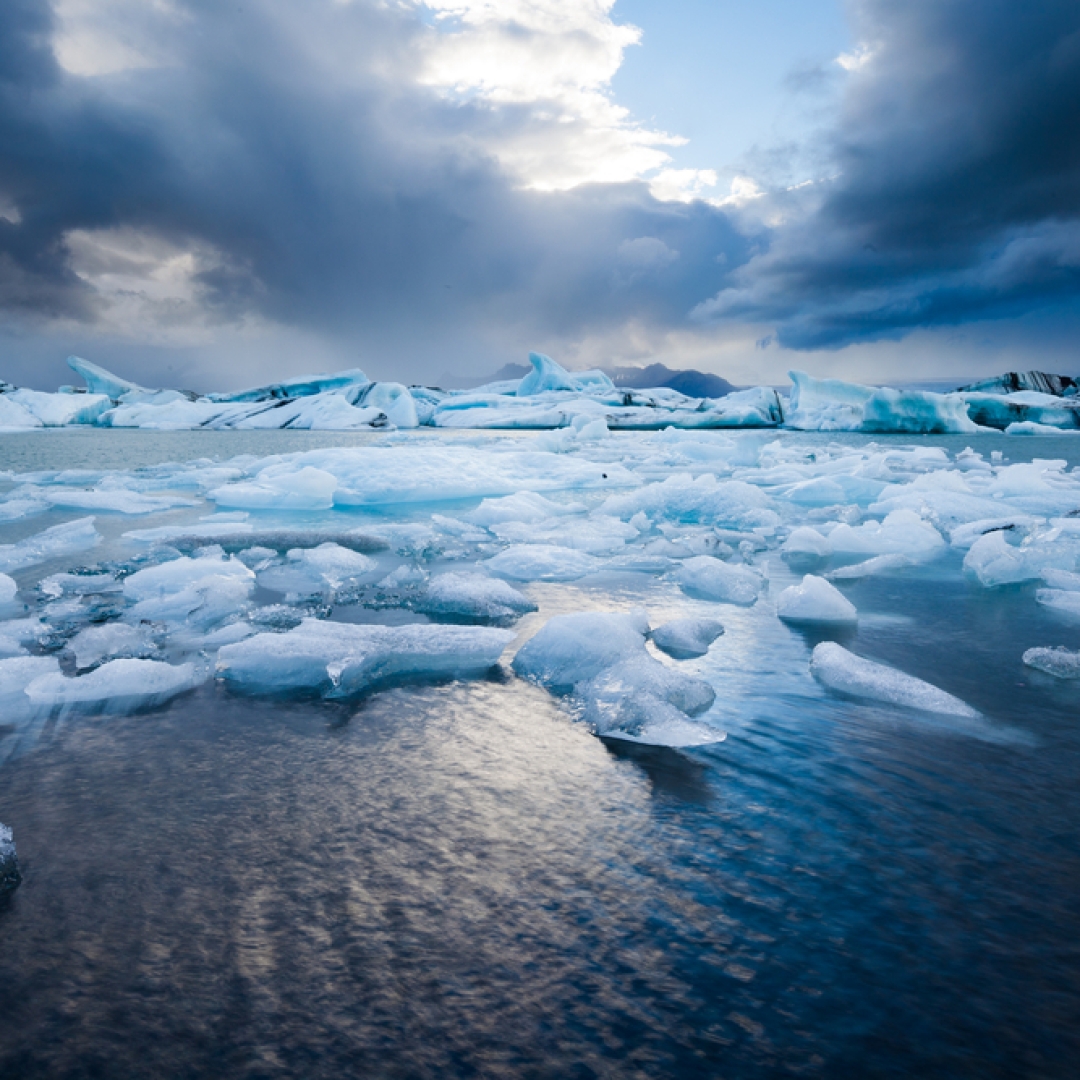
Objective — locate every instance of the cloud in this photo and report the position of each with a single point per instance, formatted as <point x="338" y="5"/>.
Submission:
<point x="191" y="175"/>
<point x="956" y="187"/>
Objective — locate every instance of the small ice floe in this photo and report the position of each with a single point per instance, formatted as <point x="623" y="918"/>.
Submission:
<point x="993" y="561"/>
<point x="117" y="686"/>
<point x="9" y="866"/>
<point x="600" y="658"/>
<point x="713" y="579"/>
<point x="902" y="532"/>
<point x="879" y="564"/>
<point x="196" y="591"/>
<point x="685" y="639"/>
<point x="814" y="600"/>
<point x="1059" y="662"/>
<point x="836" y="668"/>
<point x="54" y="543"/>
<point x="109" y="641"/>
<point x="474" y="596"/>
<point x="311" y="571"/>
<point x="805" y="542"/>
<point x="542" y="562"/>
<point x="344" y="659"/>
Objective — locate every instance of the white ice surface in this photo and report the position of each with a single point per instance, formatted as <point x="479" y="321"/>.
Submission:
<point x="843" y="671"/>
<point x="53" y="543"/>
<point x="713" y="579"/>
<point x="119" y="685"/>
<point x="814" y="600"/>
<point x="474" y="596"/>
<point x="542" y="562"/>
<point x="686" y="638"/>
<point x="1059" y="662"/>
<point x="342" y="659"/>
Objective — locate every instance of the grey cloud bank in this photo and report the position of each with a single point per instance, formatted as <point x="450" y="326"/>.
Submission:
<point x="274" y="190"/>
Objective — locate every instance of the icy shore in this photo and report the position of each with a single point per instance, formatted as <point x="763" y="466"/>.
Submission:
<point x="586" y="404"/>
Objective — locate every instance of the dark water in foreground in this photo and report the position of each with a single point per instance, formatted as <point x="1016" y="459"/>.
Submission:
<point x="460" y="880"/>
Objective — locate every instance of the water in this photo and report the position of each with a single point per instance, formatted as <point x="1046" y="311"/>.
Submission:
<point x="461" y="880"/>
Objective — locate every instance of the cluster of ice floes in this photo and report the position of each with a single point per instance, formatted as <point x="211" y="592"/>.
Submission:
<point x="583" y="406"/>
<point x="334" y="573"/>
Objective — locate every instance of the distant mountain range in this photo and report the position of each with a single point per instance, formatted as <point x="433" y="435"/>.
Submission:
<point x="689" y="382"/>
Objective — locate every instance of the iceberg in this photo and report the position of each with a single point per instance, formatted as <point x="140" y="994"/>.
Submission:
<point x="110" y="641"/>
<point x="474" y="596"/>
<point x="9" y="866"/>
<point x="100" y="381"/>
<point x="1018" y="410"/>
<point x="60" y="410"/>
<point x="14" y="417"/>
<point x="814" y="600"/>
<point x="54" y="543"/>
<point x="805" y="542"/>
<point x="344" y="659"/>
<point x="842" y="671"/>
<point x="195" y="591"/>
<point x="1059" y="662"/>
<point x="117" y="686"/>
<point x="713" y="579"/>
<point x="542" y="562"/>
<point x="601" y="658"/>
<point x="687" y="638"/>
<point x="903" y="532"/>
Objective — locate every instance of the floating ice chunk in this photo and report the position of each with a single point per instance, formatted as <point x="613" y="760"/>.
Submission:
<point x="110" y="640"/>
<point x="572" y="649"/>
<point x="17" y="672"/>
<point x="993" y="561"/>
<point x="825" y="404"/>
<point x="1060" y="600"/>
<point x="331" y="564"/>
<point x="547" y="375"/>
<point x="55" y="543"/>
<point x="835" y="667"/>
<point x="117" y="501"/>
<point x="713" y="579"/>
<point x="9" y="866"/>
<point x="14" y="633"/>
<point x="281" y="487"/>
<point x="60" y="410"/>
<point x="1023" y="413"/>
<point x="8" y="589"/>
<point x="14" y="416"/>
<point x="687" y="638"/>
<point x="600" y="535"/>
<point x="646" y="702"/>
<point x="100" y="381"/>
<point x="168" y="578"/>
<point x="1059" y="662"/>
<point x="902" y="532"/>
<point x="807" y="542"/>
<point x="474" y="596"/>
<point x="963" y="536"/>
<point x="395" y="401"/>
<point x="1062" y="579"/>
<point x="118" y="686"/>
<point x="57" y="585"/>
<point x="198" y="591"/>
<point x="814" y="600"/>
<point x="702" y="500"/>
<point x="1030" y="427"/>
<point x="524" y="506"/>
<point x="301" y="386"/>
<point x="343" y="659"/>
<point x="404" y="577"/>
<point x="917" y="412"/>
<point x="879" y="564"/>
<point x="542" y="562"/>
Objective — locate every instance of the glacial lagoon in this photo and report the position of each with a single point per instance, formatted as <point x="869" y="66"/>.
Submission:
<point x="448" y="851"/>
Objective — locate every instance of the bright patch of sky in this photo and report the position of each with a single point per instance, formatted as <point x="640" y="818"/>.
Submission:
<point x="733" y="78"/>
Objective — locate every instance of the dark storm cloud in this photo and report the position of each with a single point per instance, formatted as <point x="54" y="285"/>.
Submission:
<point x="290" y="147"/>
<point x="957" y="188"/>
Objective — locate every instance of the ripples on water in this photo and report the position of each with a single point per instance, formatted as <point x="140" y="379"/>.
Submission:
<point x="461" y="880"/>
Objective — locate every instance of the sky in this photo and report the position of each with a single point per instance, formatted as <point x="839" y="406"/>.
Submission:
<point x="215" y="194"/>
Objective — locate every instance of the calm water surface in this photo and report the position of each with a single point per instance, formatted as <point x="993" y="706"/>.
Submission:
<point x="460" y="880"/>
